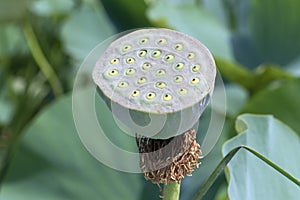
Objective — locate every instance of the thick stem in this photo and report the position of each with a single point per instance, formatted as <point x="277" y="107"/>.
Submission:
<point x="41" y="60"/>
<point x="172" y="191"/>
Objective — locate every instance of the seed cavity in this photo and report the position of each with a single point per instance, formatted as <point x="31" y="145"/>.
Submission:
<point x="167" y="97"/>
<point x="179" y="66"/>
<point x="135" y="93"/>
<point x="160" y="85"/>
<point x="195" y="80"/>
<point x="182" y="91"/>
<point x="150" y="95"/>
<point x="130" y="60"/>
<point x="142" y="80"/>
<point x="113" y="72"/>
<point x="161" y="41"/>
<point x="196" y="68"/>
<point x="114" y="61"/>
<point x="130" y="71"/>
<point x="156" y="54"/>
<point x="178" y="79"/>
<point x="123" y="84"/>
<point x="142" y="53"/>
<point x="146" y="66"/>
<point x="191" y="56"/>
<point x="160" y="72"/>
<point x="178" y="46"/>
<point x="169" y="57"/>
<point x="143" y="41"/>
<point x="126" y="48"/>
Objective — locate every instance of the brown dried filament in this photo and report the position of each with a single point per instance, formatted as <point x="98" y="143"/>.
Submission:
<point x="170" y="160"/>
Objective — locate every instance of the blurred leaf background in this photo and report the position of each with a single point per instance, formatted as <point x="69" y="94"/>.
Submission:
<point x="256" y="46"/>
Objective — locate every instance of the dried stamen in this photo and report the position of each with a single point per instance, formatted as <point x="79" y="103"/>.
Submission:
<point x="170" y="160"/>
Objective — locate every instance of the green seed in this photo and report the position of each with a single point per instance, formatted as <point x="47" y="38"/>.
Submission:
<point x="113" y="72"/>
<point x="191" y="56"/>
<point x="130" y="60"/>
<point x="178" y="79"/>
<point x="182" y="91"/>
<point x="156" y="54"/>
<point x="178" y="46"/>
<point x="161" y="85"/>
<point x="130" y="71"/>
<point x="196" y="68"/>
<point x="179" y="66"/>
<point x="161" y="41"/>
<point x="114" y="61"/>
<point x="142" y="53"/>
<point x="135" y="93"/>
<point x="123" y="84"/>
<point x="126" y="48"/>
<point x="160" y="72"/>
<point x="146" y="66"/>
<point x="142" y="80"/>
<point x="169" y="57"/>
<point x="195" y="80"/>
<point x="143" y="40"/>
<point x="150" y="95"/>
<point x="167" y="97"/>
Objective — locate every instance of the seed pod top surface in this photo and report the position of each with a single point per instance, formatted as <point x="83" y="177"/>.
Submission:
<point x="156" y="71"/>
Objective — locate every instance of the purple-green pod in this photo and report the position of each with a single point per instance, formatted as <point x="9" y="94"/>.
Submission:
<point x="157" y="82"/>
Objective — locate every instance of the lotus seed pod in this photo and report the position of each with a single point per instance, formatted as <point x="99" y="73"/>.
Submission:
<point x="158" y="79"/>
